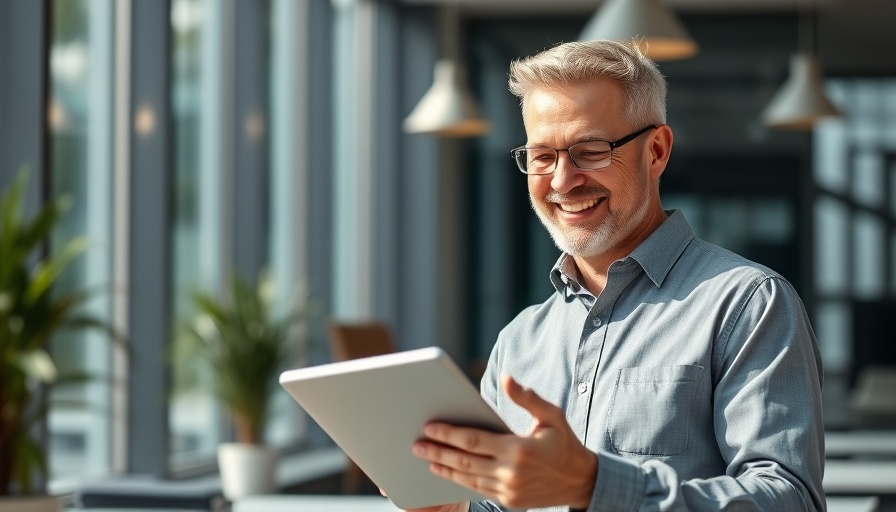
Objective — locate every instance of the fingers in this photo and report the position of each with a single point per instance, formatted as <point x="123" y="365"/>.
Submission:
<point x="544" y="412"/>
<point x="483" y="484"/>
<point x="454" y="459"/>
<point x="471" y="440"/>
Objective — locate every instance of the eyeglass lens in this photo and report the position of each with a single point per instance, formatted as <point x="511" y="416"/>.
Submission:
<point x="584" y="155"/>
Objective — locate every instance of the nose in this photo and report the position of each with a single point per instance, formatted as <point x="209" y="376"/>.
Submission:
<point x="566" y="176"/>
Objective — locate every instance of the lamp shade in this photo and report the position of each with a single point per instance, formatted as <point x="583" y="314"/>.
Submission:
<point x="801" y="101"/>
<point x="661" y="36"/>
<point x="447" y="109"/>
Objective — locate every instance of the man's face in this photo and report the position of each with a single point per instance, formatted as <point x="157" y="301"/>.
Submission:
<point x="588" y="213"/>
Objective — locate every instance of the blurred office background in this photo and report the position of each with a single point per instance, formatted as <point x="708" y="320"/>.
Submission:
<point x="201" y="136"/>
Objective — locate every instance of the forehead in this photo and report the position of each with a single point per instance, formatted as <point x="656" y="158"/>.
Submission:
<point x="573" y="108"/>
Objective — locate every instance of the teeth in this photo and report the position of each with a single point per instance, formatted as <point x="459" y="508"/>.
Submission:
<point x="577" y="207"/>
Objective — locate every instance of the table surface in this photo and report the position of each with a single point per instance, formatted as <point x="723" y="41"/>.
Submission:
<point x="860" y="477"/>
<point x="284" y="503"/>
<point x="851" y="443"/>
<point x="376" y="504"/>
<point x="322" y="503"/>
<point x="853" y="504"/>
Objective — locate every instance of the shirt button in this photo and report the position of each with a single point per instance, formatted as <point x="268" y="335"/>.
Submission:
<point x="583" y="388"/>
<point x="596" y="322"/>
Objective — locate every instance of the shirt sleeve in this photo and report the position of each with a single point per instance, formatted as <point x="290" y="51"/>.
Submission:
<point x="767" y="417"/>
<point x="486" y="506"/>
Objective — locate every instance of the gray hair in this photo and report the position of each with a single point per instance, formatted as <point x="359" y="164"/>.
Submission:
<point x="643" y="86"/>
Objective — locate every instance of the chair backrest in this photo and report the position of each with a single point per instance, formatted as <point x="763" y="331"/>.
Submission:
<point x="356" y="340"/>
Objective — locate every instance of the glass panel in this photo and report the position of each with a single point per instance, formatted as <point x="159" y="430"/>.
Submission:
<point x="893" y="263"/>
<point x="888" y="108"/>
<point x="868" y="254"/>
<point x="868" y="180"/>
<point x="893" y="189"/>
<point x="833" y="324"/>
<point x="864" y="113"/>
<point x="830" y="155"/>
<point x="80" y="151"/>
<point x="771" y="220"/>
<point x="726" y="223"/>
<point x="287" y="425"/>
<point x="194" y="423"/>
<point x="831" y="235"/>
<point x="690" y="205"/>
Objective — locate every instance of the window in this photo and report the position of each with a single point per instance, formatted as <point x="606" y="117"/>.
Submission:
<point x="80" y="134"/>
<point x="855" y="215"/>
<point x="197" y="225"/>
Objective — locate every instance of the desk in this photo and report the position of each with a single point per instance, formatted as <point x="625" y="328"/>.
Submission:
<point x="860" y="477"/>
<point x="853" y="504"/>
<point x="860" y="443"/>
<point x="307" y="503"/>
<point x="284" y="503"/>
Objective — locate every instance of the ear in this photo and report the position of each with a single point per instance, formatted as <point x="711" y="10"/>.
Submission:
<point x="659" y="149"/>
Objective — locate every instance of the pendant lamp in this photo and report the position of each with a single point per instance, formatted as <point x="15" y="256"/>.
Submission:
<point x="659" y="33"/>
<point x="801" y="101"/>
<point x="448" y="108"/>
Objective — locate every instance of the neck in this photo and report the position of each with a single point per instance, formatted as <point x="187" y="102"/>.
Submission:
<point x="593" y="269"/>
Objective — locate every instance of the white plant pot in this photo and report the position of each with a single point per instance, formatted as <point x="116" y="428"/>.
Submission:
<point x="30" y="504"/>
<point x="246" y="469"/>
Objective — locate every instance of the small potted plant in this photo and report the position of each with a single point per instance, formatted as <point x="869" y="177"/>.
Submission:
<point x="32" y="311"/>
<point x="242" y="344"/>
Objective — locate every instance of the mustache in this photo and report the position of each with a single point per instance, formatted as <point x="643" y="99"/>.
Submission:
<point x="580" y="193"/>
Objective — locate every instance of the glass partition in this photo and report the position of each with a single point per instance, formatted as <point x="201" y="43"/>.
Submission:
<point x="80" y="135"/>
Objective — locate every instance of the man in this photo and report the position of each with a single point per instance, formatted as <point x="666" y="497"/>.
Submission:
<point x="665" y="373"/>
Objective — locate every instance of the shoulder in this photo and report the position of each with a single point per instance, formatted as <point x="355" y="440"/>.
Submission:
<point x="708" y="263"/>
<point x="536" y="314"/>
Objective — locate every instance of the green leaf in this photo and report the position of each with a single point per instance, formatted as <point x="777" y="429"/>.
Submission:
<point x="47" y="273"/>
<point x="29" y="456"/>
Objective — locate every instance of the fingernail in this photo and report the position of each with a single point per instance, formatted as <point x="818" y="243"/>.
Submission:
<point x="419" y="449"/>
<point x="430" y="430"/>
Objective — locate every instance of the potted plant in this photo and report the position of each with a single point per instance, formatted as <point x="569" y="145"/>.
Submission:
<point x="242" y="343"/>
<point x="32" y="311"/>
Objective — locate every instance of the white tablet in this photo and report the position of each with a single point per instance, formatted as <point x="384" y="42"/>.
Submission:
<point x="375" y="408"/>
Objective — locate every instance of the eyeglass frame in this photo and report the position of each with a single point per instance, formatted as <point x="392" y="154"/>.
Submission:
<point x="613" y="145"/>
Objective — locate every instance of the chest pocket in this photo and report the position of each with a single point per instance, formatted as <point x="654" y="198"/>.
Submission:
<point x="652" y="409"/>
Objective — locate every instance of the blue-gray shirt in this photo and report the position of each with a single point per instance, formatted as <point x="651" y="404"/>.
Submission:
<point x="695" y="376"/>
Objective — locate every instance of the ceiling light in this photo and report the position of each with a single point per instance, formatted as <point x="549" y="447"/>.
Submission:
<point x="801" y="101"/>
<point x="448" y="108"/>
<point x="656" y="29"/>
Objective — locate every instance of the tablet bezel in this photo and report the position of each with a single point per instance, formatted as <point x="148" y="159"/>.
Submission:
<point x="376" y="407"/>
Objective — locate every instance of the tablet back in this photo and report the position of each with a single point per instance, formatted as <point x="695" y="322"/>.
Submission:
<point x="375" y="408"/>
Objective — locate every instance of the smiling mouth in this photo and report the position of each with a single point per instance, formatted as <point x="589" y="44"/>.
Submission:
<point x="579" y="206"/>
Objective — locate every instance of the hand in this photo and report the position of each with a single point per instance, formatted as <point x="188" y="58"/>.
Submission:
<point x="547" y="467"/>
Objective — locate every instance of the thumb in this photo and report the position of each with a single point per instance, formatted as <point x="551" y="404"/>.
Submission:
<point x="544" y="412"/>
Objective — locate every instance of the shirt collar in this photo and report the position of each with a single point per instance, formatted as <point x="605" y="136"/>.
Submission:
<point x="659" y="252"/>
<point x="657" y="255"/>
<point x="565" y="278"/>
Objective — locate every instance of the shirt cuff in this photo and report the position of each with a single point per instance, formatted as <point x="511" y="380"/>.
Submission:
<point x="619" y="485"/>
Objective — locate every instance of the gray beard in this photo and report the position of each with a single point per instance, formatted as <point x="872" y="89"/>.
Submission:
<point x="591" y="240"/>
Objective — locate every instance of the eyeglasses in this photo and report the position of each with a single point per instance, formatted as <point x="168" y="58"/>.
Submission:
<point x="587" y="156"/>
